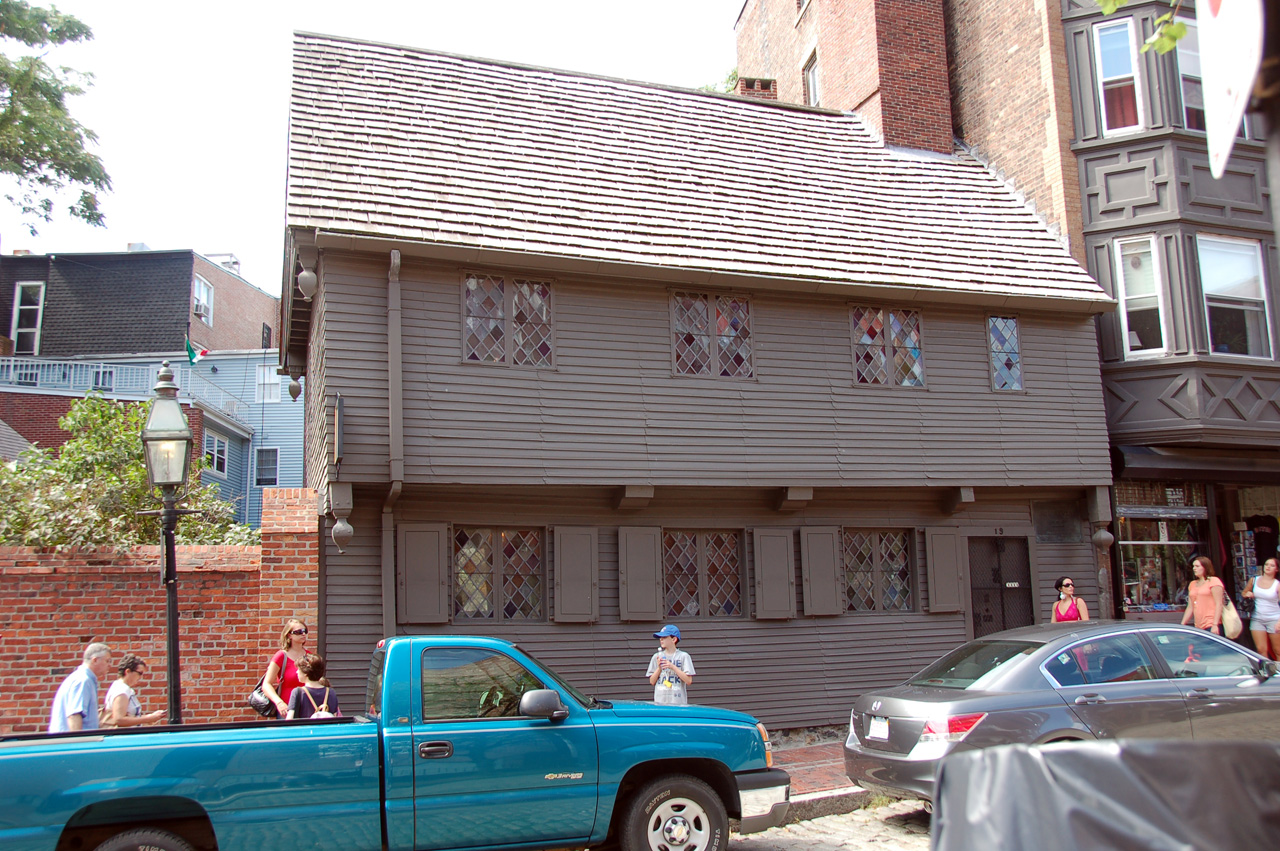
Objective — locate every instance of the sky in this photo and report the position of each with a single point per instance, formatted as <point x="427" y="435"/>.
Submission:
<point x="190" y="100"/>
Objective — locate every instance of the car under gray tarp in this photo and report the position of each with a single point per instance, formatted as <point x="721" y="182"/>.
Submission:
<point x="1139" y="794"/>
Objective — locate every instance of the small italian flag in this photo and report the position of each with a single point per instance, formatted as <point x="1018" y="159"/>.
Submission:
<point x="194" y="353"/>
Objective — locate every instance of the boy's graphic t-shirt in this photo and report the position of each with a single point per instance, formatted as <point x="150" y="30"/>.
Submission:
<point x="669" y="688"/>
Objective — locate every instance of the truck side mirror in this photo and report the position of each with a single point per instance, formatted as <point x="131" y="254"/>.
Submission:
<point x="543" y="703"/>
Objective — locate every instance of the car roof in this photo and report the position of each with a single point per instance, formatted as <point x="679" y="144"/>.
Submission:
<point x="1043" y="633"/>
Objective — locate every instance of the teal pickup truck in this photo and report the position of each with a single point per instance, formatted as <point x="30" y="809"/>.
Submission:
<point x="466" y="743"/>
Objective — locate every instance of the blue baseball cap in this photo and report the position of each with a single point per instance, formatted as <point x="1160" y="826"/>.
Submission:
<point x="669" y="629"/>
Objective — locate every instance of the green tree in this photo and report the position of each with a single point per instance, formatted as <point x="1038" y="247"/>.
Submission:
<point x="89" y="492"/>
<point x="726" y="86"/>
<point x="42" y="148"/>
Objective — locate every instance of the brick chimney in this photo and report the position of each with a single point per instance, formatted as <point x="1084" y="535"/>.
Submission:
<point x="754" y="87"/>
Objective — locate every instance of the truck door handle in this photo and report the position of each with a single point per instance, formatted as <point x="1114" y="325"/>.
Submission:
<point x="435" y="750"/>
<point x="1088" y="699"/>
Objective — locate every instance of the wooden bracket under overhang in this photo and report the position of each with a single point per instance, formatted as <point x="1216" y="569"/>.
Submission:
<point x="793" y="498"/>
<point x="954" y="498"/>
<point x="634" y="496"/>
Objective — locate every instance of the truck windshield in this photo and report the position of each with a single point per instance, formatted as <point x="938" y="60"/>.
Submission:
<point x="973" y="665"/>
<point x="573" y="692"/>
<point x="373" y="692"/>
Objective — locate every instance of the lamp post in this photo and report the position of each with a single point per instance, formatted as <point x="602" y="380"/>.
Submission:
<point x="166" y="437"/>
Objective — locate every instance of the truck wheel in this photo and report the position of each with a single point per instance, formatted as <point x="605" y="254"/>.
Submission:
<point x="675" y="813"/>
<point x="145" y="839"/>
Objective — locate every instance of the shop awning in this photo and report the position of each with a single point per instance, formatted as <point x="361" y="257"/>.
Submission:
<point x="1237" y="466"/>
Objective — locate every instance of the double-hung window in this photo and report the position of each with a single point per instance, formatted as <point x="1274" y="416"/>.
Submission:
<point x="498" y="574"/>
<point x="1192" y="86"/>
<point x="886" y="347"/>
<point x="1005" y="347"/>
<point x="215" y="453"/>
<point x="1234" y="296"/>
<point x="702" y="573"/>
<point x="28" y="313"/>
<point x="506" y="320"/>
<point x="267" y="472"/>
<point x="268" y="383"/>
<point x="877" y="570"/>
<point x="711" y="335"/>
<point x="1141" y="297"/>
<point x="811" y="94"/>
<point x="1118" y="77"/>
<point x="202" y="294"/>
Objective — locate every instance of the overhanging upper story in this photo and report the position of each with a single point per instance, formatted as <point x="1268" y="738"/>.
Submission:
<point x="526" y="276"/>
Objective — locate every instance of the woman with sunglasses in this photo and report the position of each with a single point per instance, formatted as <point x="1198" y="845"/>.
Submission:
<point x="120" y="708"/>
<point x="282" y="675"/>
<point x="1068" y="607"/>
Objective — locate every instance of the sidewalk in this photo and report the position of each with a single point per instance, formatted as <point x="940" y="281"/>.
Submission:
<point x="819" y="786"/>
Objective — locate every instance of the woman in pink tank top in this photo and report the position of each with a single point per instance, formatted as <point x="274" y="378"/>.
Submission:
<point x="1068" y="607"/>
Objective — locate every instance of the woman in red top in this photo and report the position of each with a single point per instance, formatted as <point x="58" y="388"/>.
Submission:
<point x="1204" y="596"/>
<point x="282" y="675"/>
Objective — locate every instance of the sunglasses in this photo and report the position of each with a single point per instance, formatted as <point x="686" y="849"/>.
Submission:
<point x="1068" y="585"/>
<point x="302" y="631"/>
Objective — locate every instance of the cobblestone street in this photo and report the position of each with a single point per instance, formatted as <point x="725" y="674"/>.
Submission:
<point x="898" y="826"/>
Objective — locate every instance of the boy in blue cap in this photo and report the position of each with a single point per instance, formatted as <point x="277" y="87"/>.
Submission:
<point x="671" y="669"/>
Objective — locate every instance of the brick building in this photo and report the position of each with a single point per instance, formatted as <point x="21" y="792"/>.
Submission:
<point x="1107" y="143"/>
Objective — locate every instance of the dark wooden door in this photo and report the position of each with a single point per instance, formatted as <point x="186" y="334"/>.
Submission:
<point x="1000" y="584"/>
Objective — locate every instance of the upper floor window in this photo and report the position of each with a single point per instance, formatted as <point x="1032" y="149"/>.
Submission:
<point x="877" y="570"/>
<point x="267" y="472"/>
<point x="702" y="573"/>
<point x="498" y="574"/>
<point x="506" y="320"/>
<point x="886" y="347"/>
<point x="1141" y="297"/>
<point x="1234" y="297"/>
<point x="202" y="293"/>
<point x="811" y="81"/>
<point x="28" y="314"/>
<point x="1188" y="53"/>
<point x="1006" y="352"/>
<point x="215" y="453"/>
<point x="711" y="335"/>
<point x="1118" y="77"/>
<point x="268" y="383"/>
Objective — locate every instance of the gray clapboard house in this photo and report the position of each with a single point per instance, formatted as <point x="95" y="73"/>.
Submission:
<point x="586" y="355"/>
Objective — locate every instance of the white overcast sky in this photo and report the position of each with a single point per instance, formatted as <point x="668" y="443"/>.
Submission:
<point x="190" y="100"/>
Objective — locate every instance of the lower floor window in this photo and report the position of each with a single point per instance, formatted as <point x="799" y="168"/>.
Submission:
<point x="877" y="570"/>
<point x="702" y="573"/>
<point x="268" y="465"/>
<point x="215" y="453"/>
<point x="498" y="574"/>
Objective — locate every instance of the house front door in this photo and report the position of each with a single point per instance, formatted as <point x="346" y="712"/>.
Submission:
<point x="1000" y="584"/>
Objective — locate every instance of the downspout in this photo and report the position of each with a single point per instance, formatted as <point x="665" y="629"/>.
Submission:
<point x="395" y="449"/>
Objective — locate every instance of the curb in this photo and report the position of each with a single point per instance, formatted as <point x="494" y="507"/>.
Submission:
<point x="830" y="802"/>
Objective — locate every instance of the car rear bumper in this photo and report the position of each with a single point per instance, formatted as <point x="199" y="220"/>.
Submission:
<point x="894" y="773"/>
<point x="765" y="797"/>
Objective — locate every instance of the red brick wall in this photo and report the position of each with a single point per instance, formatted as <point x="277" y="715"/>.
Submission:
<point x="35" y="416"/>
<point x="232" y="603"/>
<point x="239" y="311"/>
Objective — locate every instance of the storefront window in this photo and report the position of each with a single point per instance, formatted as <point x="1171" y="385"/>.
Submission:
<point x="1162" y="527"/>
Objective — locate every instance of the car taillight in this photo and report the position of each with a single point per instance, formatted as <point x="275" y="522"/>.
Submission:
<point x="951" y="728"/>
<point x="768" y="748"/>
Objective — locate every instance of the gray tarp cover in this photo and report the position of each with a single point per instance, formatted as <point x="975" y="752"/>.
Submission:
<point x="1131" y="794"/>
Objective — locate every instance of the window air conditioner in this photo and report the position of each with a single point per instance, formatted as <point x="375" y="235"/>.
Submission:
<point x="202" y="311"/>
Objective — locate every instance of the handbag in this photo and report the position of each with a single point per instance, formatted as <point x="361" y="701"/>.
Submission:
<point x="260" y="703"/>
<point x="1231" y="625"/>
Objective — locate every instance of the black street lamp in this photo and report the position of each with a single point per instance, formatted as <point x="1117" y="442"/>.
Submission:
<point x="166" y="437"/>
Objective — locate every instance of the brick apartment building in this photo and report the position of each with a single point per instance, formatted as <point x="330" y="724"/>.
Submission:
<point x="1107" y="144"/>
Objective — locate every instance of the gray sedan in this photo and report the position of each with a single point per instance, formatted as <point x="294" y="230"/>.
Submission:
<point x="1061" y="682"/>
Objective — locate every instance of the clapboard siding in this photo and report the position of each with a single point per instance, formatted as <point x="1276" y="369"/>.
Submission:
<point x="611" y="411"/>
<point x="798" y="672"/>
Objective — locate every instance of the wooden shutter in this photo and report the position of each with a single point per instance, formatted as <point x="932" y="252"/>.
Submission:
<point x="775" y="573"/>
<point x="820" y="570"/>
<point x="422" y="573"/>
<point x="577" y="575"/>
<point x="945" y="569"/>
<point x="640" y="595"/>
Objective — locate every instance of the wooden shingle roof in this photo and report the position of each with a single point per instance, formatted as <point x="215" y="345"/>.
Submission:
<point x="418" y="146"/>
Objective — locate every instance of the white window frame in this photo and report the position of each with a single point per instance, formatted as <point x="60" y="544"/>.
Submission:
<point x="14" y="326"/>
<point x="219" y="442"/>
<point x="1101" y="82"/>
<point x="268" y="384"/>
<point x="1262" y="286"/>
<point x="202" y="296"/>
<point x="1193" y="32"/>
<point x="1129" y="353"/>
<point x="812" y="81"/>
<point x="257" y="467"/>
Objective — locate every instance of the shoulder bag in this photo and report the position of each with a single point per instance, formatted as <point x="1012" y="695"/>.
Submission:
<point x="1231" y="625"/>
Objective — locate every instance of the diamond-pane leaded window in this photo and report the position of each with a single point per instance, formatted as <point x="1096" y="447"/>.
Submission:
<point x="498" y="574"/>
<point x="877" y="570"/>
<point x="886" y="347"/>
<point x="702" y="573"/>
<point x="1006" y="353"/>
<point x="712" y="335"/>
<point x="506" y="320"/>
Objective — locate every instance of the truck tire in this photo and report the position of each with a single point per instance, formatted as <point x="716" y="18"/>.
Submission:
<point x="145" y="839"/>
<point x="675" y="813"/>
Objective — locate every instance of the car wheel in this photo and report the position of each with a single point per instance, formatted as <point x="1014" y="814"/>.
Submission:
<point x="145" y="839"/>
<point x="675" y="813"/>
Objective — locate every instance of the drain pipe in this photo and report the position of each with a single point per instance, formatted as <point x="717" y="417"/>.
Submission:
<point x="395" y="429"/>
